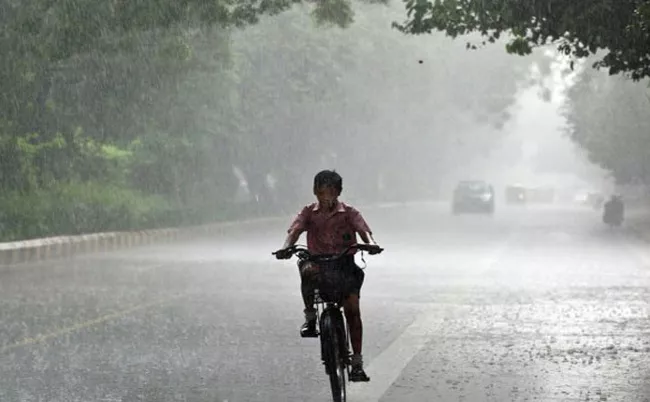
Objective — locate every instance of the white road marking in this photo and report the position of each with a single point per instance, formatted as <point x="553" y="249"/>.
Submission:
<point x="385" y="369"/>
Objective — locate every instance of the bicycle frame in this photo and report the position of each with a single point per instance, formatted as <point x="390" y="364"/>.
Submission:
<point x="335" y="346"/>
<point x="334" y="310"/>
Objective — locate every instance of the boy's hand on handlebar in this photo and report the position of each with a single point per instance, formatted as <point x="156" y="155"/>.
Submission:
<point x="283" y="254"/>
<point x="374" y="249"/>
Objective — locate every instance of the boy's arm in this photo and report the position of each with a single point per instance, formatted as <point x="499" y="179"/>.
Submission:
<point x="298" y="226"/>
<point x="292" y="238"/>
<point x="367" y="238"/>
<point x="361" y="226"/>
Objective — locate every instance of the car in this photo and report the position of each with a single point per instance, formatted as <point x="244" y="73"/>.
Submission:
<point x="473" y="196"/>
<point x="595" y="200"/>
<point x="540" y="195"/>
<point x="516" y="194"/>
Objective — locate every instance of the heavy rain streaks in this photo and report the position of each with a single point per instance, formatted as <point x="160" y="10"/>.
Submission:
<point x="163" y="148"/>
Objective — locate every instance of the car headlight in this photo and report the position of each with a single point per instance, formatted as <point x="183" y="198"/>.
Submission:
<point x="486" y="197"/>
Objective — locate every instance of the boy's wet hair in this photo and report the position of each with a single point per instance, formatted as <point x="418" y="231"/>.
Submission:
<point x="328" y="178"/>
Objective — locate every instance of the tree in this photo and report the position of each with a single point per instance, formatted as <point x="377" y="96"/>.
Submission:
<point x="577" y="28"/>
<point x="608" y="117"/>
<point x="334" y="92"/>
<point x="163" y="98"/>
<point x="104" y="67"/>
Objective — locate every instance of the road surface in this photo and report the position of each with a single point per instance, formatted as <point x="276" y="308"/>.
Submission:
<point x="532" y="304"/>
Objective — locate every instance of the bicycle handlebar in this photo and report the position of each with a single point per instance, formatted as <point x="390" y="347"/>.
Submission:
<point x="304" y="253"/>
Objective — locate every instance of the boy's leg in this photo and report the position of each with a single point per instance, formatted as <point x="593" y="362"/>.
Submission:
<point x="353" y="317"/>
<point x="308" y="278"/>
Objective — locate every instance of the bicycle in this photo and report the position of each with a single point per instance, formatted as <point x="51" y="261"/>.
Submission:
<point x="333" y="329"/>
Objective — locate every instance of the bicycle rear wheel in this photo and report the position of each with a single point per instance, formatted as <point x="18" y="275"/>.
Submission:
<point x="334" y="364"/>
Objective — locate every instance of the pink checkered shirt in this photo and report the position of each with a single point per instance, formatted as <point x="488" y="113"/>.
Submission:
<point x="329" y="232"/>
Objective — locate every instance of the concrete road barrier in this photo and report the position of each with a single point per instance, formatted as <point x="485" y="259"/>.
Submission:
<point x="19" y="252"/>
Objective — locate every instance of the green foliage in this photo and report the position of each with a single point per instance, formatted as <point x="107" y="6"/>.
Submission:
<point x="577" y="28"/>
<point x="609" y="118"/>
<point x="361" y="91"/>
<point x="131" y="114"/>
<point x="76" y="208"/>
<point x="79" y="208"/>
<point x="30" y="162"/>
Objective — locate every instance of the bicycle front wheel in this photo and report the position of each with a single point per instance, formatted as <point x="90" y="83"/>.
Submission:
<point x="334" y="364"/>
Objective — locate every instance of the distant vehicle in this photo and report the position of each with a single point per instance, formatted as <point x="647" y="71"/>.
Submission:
<point x="581" y="197"/>
<point x="614" y="211"/>
<point x="516" y="194"/>
<point x="595" y="200"/>
<point x="473" y="196"/>
<point x="540" y="195"/>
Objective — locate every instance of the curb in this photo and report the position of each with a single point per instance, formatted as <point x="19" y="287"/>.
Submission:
<point x="62" y="247"/>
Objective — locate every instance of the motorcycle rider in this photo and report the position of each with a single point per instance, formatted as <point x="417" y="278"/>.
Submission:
<point x="614" y="210"/>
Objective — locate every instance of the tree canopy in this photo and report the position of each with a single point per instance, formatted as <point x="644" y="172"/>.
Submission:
<point x="112" y="120"/>
<point x="608" y="117"/>
<point x="577" y="28"/>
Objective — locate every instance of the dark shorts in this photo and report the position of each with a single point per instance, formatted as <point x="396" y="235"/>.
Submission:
<point x="353" y="276"/>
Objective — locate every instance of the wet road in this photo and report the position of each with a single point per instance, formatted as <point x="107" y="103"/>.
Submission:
<point x="531" y="304"/>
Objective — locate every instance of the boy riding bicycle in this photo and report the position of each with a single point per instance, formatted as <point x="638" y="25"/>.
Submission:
<point x="331" y="226"/>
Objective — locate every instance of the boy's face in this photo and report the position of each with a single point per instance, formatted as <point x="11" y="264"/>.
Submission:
<point x="327" y="197"/>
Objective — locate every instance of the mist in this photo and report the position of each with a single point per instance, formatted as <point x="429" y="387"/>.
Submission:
<point x="157" y="164"/>
<point x="188" y="126"/>
<point x="407" y="117"/>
